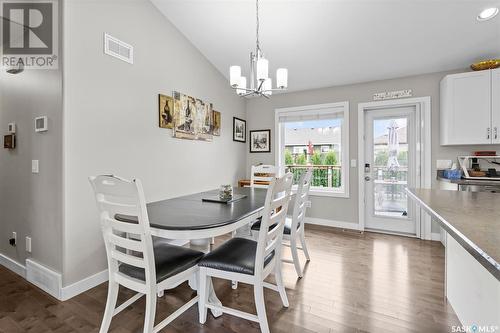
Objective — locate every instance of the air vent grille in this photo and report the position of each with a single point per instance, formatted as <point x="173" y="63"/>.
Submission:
<point x="118" y="49"/>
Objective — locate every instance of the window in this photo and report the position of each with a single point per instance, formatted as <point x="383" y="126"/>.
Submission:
<point x="315" y="136"/>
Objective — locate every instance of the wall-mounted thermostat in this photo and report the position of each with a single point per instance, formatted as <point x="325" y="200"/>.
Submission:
<point x="41" y="124"/>
<point x="11" y="128"/>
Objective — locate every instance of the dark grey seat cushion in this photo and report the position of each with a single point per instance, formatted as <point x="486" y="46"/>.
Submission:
<point x="287" y="230"/>
<point x="170" y="260"/>
<point x="235" y="255"/>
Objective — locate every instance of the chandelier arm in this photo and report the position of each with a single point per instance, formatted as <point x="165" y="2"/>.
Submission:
<point x="260" y="85"/>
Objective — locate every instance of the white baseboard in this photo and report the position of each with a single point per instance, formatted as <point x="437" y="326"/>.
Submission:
<point x="436" y="236"/>
<point x="332" y="223"/>
<point x="44" y="278"/>
<point x="13" y="265"/>
<point x="83" y="285"/>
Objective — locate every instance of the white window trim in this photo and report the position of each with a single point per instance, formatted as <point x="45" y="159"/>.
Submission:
<point x="317" y="108"/>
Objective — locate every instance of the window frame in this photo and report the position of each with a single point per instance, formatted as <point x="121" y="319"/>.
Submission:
<point x="340" y="107"/>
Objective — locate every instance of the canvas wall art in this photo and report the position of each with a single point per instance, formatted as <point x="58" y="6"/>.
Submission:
<point x="193" y="118"/>
<point x="166" y="111"/>
<point x="216" y="123"/>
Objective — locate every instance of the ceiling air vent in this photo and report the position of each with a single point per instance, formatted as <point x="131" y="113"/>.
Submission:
<point x="118" y="49"/>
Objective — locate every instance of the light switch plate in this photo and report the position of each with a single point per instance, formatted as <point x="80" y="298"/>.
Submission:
<point x="11" y="128"/>
<point x="35" y="166"/>
<point x="28" y="244"/>
<point x="354" y="163"/>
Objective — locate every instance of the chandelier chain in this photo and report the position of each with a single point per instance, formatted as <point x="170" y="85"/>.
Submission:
<point x="257" y="26"/>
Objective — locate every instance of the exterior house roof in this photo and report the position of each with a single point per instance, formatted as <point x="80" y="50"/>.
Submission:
<point x="384" y="139"/>
<point x="317" y="136"/>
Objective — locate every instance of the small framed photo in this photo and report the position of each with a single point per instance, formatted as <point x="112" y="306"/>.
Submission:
<point x="260" y="141"/>
<point x="239" y="130"/>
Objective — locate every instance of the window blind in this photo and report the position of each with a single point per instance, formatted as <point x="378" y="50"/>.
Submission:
<point x="311" y="115"/>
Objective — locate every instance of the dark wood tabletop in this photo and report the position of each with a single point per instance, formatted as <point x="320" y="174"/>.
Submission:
<point x="191" y="213"/>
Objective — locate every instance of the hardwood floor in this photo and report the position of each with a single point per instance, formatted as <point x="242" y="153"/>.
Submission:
<point x="354" y="283"/>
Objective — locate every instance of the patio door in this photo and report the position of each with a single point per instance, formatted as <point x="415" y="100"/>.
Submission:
<point x="391" y="166"/>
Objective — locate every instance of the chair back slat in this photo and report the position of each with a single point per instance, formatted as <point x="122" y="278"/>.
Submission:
<point x="274" y="214"/>
<point x="128" y="259"/>
<point x="127" y="244"/>
<point x="262" y="173"/>
<point x="116" y="196"/>
<point x="301" y="199"/>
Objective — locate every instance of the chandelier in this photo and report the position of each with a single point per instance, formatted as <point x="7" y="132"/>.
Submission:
<point x="260" y="84"/>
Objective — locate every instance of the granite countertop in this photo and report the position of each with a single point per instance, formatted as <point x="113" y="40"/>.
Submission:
<point x="471" y="218"/>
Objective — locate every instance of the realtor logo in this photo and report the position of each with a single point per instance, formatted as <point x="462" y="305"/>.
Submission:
<point x="29" y="34"/>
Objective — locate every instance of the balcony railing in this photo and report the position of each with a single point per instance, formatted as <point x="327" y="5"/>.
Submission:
<point x="323" y="175"/>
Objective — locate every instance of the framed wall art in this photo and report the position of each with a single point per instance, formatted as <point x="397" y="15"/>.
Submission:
<point x="239" y="130"/>
<point x="260" y="141"/>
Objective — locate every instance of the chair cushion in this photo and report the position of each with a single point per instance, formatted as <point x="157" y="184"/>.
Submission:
<point x="236" y="255"/>
<point x="169" y="261"/>
<point x="287" y="230"/>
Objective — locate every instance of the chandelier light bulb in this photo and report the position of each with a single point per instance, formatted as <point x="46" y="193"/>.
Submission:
<point x="234" y="75"/>
<point x="282" y="78"/>
<point x="267" y="86"/>
<point x="262" y="69"/>
<point x="243" y="85"/>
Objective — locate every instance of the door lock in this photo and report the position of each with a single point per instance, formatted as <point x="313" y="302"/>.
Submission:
<point x="367" y="178"/>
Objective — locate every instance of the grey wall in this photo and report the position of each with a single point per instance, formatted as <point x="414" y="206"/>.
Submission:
<point x="111" y="118"/>
<point x="31" y="204"/>
<point x="260" y="115"/>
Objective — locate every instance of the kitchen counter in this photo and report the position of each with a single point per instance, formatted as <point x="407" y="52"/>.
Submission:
<point x="470" y="223"/>
<point x="463" y="181"/>
<point x="472" y="219"/>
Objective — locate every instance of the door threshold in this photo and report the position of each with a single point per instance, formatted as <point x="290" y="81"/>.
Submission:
<point x="393" y="233"/>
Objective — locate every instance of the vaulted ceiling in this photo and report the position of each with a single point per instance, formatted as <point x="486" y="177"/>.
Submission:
<point x="327" y="43"/>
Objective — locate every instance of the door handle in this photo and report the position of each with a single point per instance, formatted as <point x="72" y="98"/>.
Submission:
<point x="495" y="132"/>
<point x="367" y="178"/>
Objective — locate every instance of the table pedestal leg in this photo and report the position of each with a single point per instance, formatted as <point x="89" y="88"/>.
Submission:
<point x="204" y="246"/>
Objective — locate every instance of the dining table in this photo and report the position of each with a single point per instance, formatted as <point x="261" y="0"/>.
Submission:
<point x="193" y="220"/>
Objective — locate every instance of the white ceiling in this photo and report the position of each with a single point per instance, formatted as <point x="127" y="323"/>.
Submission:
<point x="336" y="42"/>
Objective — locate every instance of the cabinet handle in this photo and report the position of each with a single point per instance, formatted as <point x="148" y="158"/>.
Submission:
<point x="488" y="131"/>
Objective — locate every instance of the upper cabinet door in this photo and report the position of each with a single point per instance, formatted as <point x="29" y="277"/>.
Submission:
<point x="495" y="105"/>
<point x="466" y="109"/>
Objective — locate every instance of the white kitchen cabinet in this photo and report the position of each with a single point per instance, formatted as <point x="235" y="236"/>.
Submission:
<point x="495" y="105"/>
<point x="465" y="115"/>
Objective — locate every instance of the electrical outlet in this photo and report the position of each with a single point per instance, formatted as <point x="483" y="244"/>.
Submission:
<point x="35" y="166"/>
<point x="28" y="244"/>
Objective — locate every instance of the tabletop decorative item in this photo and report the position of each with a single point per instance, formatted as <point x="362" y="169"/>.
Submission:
<point x="226" y="192"/>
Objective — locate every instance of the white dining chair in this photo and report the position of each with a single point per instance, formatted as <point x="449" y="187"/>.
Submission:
<point x="136" y="260"/>
<point x="262" y="173"/>
<point x="250" y="261"/>
<point x="294" y="227"/>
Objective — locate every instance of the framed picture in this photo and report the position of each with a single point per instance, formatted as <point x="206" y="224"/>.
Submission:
<point x="166" y="111"/>
<point x="239" y="130"/>
<point x="216" y="123"/>
<point x="260" y="141"/>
